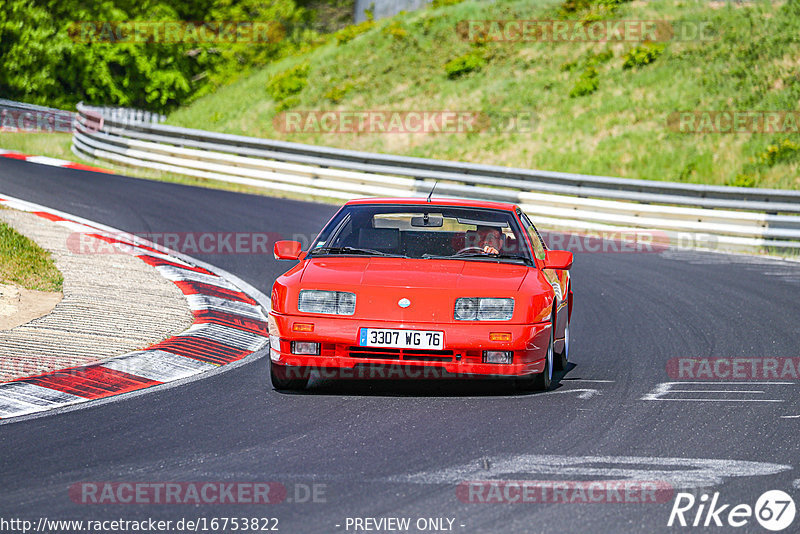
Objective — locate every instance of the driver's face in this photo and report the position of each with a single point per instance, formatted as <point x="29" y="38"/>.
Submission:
<point x="491" y="238"/>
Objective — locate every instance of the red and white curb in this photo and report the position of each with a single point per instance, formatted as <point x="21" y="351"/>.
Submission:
<point x="54" y="162"/>
<point x="229" y="324"/>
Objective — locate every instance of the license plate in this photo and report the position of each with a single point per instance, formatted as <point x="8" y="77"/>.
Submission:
<point x="401" y="339"/>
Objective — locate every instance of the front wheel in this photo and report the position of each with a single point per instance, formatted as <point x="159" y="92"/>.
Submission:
<point x="540" y="381"/>
<point x="287" y="377"/>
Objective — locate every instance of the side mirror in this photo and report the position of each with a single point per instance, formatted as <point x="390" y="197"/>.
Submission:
<point x="287" y="250"/>
<point x="557" y="259"/>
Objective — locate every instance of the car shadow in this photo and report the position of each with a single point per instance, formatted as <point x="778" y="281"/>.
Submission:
<point x="424" y="387"/>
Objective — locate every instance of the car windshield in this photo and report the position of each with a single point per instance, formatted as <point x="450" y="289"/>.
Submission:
<point x="424" y="232"/>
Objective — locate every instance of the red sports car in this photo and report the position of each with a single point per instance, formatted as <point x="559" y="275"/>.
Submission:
<point x="421" y="288"/>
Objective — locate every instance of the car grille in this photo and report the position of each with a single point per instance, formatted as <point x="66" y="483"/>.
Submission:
<point x="401" y="354"/>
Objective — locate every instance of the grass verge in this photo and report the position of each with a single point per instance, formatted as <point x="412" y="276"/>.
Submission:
<point x="25" y="263"/>
<point x="599" y="108"/>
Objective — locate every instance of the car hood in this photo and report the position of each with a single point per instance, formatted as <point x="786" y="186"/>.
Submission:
<point x="414" y="273"/>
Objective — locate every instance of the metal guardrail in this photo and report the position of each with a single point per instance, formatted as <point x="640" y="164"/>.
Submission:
<point x="127" y="115"/>
<point x="727" y="217"/>
<point x="11" y="104"/>
<point x="21" y="116"/>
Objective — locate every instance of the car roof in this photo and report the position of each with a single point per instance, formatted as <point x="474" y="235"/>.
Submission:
<point x="460" y="202"/>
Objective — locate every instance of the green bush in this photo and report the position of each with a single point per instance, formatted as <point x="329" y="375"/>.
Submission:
<point x="395" y="30"/>
<point x="284" y="86"/>
<point x="742" y="180"/>
<point x="337" y="93"/>
<point x="287" y="103"/>
<point x="569" y="8"/>
<point x="568" y="66"/>
<point x="642" y="55"/>
<point x="471" y="62"/>
<point x="348" y="33"/>
<point x="783" y="152"/>
<point x="50" y="55"/>
<point x="587" y="84"/>
<point x="588" y="60"/>
<point x="599" y="58"/>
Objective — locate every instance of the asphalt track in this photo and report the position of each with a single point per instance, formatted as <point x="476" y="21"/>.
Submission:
<point x="400" y="449"/>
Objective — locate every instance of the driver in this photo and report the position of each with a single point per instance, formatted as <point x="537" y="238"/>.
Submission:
<point x="490" y="239"/>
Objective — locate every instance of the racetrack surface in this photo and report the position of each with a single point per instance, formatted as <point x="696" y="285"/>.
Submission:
<point x="399" y="449"/>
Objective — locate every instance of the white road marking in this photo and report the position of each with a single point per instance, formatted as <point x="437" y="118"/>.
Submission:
<point x="44" y="160"/>
<point x="678" y="472"/>
<point x="660" y="392"/>
<point x="790" y="416"/>
<point x="587" y="380"/>
<point x="585" y="393"/>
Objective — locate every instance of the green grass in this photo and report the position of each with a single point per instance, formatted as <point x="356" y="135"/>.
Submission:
<point x="24" y="263"/>
<point x="54" y="145"/>
<point x="616" y="126"/>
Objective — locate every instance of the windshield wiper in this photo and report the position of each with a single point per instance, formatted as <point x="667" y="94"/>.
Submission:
<point x="479" y="255"/>
<point x="354" y="250"/>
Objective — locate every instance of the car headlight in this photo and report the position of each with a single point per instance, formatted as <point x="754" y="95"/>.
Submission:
<point x="484" y="309"/>
<point x="330" y="302"/>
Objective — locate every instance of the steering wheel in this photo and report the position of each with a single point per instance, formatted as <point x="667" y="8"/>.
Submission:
<point x="469" y="249"/>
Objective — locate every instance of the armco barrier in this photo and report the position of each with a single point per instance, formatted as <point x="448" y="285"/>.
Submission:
<point x="736" y="218"/>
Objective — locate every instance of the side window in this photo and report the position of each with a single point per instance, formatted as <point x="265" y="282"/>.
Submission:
<point x="533" y="233"/>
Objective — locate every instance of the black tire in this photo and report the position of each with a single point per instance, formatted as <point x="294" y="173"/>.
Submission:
<point x="562" y="358"/>
<point x="540" y="381"/>
<point x="285" y="377"/>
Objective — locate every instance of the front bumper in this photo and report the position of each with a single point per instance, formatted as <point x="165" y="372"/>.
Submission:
<point x="464" y="343"/>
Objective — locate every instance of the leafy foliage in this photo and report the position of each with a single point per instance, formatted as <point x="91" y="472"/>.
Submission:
<point x="587" y="84"/>
<point x="782" y="152"/>
<point x="337" y="93"/>
<point x="464" y="64"/>
<point x="52" y="53"/>
<point x="285" y="86"/>
<point x="444" y="3"/>
<point x="591" y="9"/>
<point x="742" y="180"/>
<point x="348" y="33"/>
<point x="642" y="55"/>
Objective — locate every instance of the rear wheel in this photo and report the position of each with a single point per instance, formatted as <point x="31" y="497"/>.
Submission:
<point x="540" y="381"/>
<point x="562" y="358"/>
<point x="287" y="377"/>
